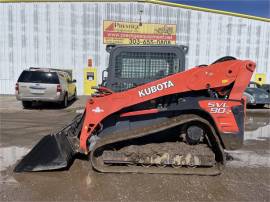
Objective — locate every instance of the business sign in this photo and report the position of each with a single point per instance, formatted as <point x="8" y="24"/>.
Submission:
<point x="134" y="33"/>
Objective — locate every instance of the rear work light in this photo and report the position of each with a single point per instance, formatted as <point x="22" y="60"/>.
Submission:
<point x="58" y="89"/>
<point x="17" y="88"/>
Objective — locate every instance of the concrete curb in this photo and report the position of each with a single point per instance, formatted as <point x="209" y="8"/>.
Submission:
<point x="258" y="111"/>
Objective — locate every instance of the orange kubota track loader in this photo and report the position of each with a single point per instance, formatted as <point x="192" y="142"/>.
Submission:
<point x="179" y="124"/>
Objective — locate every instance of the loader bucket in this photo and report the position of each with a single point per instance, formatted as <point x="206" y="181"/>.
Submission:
<point x="52" y="152"/>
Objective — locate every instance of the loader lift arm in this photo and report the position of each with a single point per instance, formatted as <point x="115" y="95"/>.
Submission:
<point x="216" y="77"/>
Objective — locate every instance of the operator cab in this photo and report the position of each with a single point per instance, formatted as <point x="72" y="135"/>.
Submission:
<point x="130" y="66"/>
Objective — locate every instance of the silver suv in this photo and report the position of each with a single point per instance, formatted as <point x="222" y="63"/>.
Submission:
<point x="45" y="85"/>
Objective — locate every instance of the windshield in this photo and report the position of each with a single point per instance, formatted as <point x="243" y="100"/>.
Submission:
<point x="39" y="77"/>
<point x="146" y="65"/>
<point x="256" y="91"/>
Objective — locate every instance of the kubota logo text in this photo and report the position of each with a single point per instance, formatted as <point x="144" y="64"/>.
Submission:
<point x="156" y="88"/>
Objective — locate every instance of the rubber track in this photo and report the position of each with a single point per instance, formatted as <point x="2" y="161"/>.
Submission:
<point x="96" y="154"/>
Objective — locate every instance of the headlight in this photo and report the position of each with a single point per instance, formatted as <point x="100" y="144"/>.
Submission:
<point x="263" y="96"/>
<point x="251" y="99"/>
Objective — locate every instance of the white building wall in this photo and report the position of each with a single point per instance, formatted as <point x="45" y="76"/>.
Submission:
<point x="65" y="35"/>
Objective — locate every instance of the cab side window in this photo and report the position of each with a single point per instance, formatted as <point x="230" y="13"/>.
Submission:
<point x="62" y="77"/>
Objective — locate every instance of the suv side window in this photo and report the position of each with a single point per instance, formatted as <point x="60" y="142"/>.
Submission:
<point x="62" y="76"/>
<point x="252" y="85"/>
<point x="68" y="79"/>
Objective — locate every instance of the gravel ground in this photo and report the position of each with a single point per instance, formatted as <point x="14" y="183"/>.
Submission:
<point x="8" y="103"/>
<point x="246" y="178"/>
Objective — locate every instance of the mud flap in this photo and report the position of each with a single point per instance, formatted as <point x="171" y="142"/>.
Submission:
<point x="52" y="152"/>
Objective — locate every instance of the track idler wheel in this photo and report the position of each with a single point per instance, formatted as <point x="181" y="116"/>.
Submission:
<point x="194" y="134"/>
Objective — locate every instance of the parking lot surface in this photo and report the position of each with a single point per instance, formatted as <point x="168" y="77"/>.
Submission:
<point x="245" y="178"/>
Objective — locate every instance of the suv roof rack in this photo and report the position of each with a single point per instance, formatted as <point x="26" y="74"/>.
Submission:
<point x="47" y="69"/>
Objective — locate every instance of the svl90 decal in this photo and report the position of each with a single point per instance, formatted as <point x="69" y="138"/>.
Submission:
<point x="217" y="108"/>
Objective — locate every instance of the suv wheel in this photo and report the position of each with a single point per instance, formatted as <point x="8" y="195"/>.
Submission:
<point x="260" y="105"/>
<point x="26" y="104"/>
<point x="65" y="101"/>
